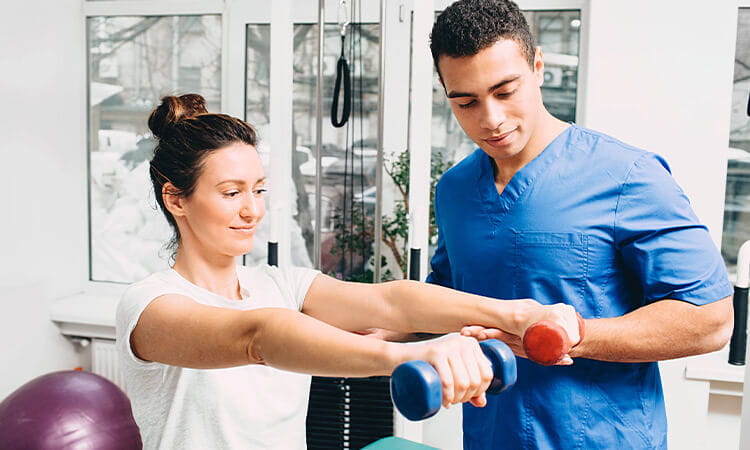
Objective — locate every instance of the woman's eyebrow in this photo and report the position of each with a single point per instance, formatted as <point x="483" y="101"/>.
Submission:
<point x="241" y="182"/>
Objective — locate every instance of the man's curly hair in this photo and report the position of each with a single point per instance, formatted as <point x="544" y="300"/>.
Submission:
<point x="468" y="26"/>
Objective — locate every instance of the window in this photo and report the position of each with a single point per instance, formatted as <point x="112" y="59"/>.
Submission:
<point x="136" y="59"/>
<point x="737" y="200"/>
<point x="348" y="154"/>
<point x="342" y="176"/>
<point x="133" y="61"/>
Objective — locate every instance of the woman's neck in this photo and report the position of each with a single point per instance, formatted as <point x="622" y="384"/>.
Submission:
<point x="217" y="275"/>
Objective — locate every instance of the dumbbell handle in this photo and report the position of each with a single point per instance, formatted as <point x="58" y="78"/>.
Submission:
<point x="417" y="392"/>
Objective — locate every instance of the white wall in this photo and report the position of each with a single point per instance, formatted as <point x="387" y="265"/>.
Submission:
<point x="43" y="249"/>
<point x="659" y="76"/>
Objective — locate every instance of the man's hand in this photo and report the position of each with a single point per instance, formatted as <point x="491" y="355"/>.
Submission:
<point x="533" y="313"/>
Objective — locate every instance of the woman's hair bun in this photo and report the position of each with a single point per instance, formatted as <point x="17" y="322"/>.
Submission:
<point x="173" y="109"/>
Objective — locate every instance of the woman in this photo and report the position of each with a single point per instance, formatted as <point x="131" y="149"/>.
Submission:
<point x="201" y="344"/>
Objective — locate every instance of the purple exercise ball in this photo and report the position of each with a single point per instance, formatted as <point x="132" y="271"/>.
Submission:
<point x="68" y="410"/>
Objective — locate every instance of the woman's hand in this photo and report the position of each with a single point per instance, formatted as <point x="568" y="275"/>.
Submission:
<point x="464" y="371"/>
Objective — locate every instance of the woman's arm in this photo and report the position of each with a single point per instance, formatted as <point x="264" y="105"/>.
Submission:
<point x="175" y="330"/>
<point x="410" y="306"/>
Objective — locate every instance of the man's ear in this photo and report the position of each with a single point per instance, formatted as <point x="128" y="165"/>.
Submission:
<point x="539" y="65"/>
<point x="172" y="199"/>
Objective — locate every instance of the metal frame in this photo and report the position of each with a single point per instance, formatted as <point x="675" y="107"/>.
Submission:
<point x="150" y="8"/>
<point x="319" y="133"/>
<point x="381" y="127"/>
<point x="420" y="125"/>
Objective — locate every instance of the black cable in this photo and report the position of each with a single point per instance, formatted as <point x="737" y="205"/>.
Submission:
<point x="342" y="73"/>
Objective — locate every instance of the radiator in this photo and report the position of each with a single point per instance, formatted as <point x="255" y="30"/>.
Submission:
<point x="104" y="361"/>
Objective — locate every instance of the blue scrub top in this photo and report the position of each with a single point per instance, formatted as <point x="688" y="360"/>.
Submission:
<point x="594" y="223"/>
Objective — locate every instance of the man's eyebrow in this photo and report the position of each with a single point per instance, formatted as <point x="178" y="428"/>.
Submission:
<point x="510" y="79"/>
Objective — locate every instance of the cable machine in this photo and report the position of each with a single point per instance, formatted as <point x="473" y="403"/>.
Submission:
<point x="344" y="412"/>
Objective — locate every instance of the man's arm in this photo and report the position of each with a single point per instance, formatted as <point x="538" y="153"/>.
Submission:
<point x="663" y="244"/>
<point x="665" y="329"/>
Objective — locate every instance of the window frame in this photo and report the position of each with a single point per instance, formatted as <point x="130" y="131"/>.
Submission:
<point x="111" y="8"/>
<point x="237" y="14"/>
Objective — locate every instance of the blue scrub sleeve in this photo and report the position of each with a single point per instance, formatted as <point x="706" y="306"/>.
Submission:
<point x="441" y="266"/>
<point x="661" y="240"/>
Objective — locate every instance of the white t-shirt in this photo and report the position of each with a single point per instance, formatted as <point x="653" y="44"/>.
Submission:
<point x="246" y="407"/>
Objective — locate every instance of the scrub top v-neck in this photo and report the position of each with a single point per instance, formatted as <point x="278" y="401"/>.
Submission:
<point x="594" y="223"/>
<point x="503" y="202"/>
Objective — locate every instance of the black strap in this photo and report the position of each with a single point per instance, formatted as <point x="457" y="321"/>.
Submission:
<point x="342" y="71"/>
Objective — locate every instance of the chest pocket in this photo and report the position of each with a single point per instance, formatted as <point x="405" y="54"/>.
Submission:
<point x="551" y="267"/>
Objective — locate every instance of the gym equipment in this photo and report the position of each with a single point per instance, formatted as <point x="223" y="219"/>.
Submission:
<point x="546" y="342"/>
<point x="68" y="410"/>
<point x="396" y="443"/>
<point x="738" y="342"/>
<point x="416" y="389"/>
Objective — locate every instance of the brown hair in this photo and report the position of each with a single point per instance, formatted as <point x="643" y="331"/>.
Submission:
<point x="186" y="134"/>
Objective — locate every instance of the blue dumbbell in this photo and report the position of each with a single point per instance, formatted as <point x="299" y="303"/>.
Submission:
<point x="417" y="392"/>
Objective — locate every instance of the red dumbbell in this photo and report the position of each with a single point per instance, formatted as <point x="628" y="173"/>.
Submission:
<point x="545" y="342"/>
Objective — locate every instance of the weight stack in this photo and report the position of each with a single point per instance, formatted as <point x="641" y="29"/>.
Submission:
<point x="348" y="413"/>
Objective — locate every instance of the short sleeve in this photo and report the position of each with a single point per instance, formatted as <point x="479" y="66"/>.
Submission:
<point x="661" y="240"/>
<point x="440" y="263"/>
<point x="132" y="304"/>
<point x="299" y="279"/>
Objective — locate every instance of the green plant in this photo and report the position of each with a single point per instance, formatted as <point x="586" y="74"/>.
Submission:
<point x="356" y="235"/>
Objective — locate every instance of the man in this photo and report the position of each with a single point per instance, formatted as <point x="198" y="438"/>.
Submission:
<point x="551" y="211"/>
